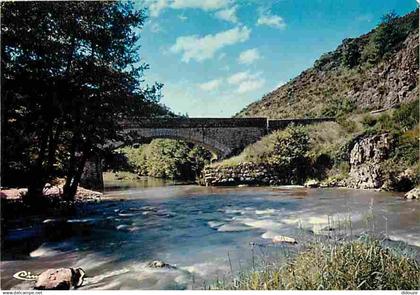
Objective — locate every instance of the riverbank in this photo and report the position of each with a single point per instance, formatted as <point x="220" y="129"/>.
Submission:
<point x="14" y="202"/>
<point x="361" y="264"/>
<point x="366" y="162"/>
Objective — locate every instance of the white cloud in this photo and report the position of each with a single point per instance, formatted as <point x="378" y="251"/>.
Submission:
<point x="156" y="6"/>
<point x="246" y="82"/>
<point x="183" y="18"/>
<point x="228" y="14"/>
<point x="211" y="85"/>
<point x="201" y="4"/>
<point x="267" y="19"/>
<point x="251" y="85"/>
<point x="238" y="77"/>
<point x="202" y="48"/>
<point x="249" y="56"/>
<point x="156" y="28"/>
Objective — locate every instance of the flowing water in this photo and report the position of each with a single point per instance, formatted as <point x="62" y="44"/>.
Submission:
<point x="208" y="233"/>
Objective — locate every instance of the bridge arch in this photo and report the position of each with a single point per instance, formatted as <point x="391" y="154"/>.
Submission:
<point x="140" y="135"/>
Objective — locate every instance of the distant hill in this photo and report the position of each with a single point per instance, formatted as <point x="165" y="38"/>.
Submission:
<point x="374" y="71"/>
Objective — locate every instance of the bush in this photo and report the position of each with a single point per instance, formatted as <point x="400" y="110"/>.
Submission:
<point x="288" y="145"/>
<point x="403" y="119"/>
<point x="338" y="107"/>
<point x="407" y="115"/>
<point x="166" y="158"/>
<point x="407" y="148"/>
<point x="356" y="265"/>
<point x="369" y="121"/>
<point x="348" y="125"/>
<point x="350" y="54"/>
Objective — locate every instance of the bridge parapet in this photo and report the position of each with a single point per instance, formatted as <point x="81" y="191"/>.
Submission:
<point x="268" y="124"/>
<point x="273" y="125"/>
<point x="196" y="123"/>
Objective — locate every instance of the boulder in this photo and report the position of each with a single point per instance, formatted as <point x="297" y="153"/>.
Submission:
<point x="60" y="279"/>
<point x="312" y="183"/>
<point x="413" y="194"/>
<point x="283" y="239"/>
<point x="160" y="264"/>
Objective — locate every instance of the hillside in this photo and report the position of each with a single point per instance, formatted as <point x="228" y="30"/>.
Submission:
<point x="374" y="71"/>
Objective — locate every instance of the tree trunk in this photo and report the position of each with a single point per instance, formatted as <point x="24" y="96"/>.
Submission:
<point x="38" y="180"/>
<point x="73" y="182"/>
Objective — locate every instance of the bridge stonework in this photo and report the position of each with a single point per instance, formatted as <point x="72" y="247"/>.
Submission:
<point x="222" y="136"/>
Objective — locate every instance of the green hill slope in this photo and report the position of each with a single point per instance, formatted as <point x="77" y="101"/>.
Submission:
<point x="374" y="71"/>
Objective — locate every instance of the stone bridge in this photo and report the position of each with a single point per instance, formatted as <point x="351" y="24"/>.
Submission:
<point x="222" y="136"/>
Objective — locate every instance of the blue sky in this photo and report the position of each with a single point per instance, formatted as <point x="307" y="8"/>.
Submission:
<point x="214" y="57"/>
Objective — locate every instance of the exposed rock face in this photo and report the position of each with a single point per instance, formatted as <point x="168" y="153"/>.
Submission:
<point x="391" y="82"/>
<point x="413" y="194"/>
<point x="365" y="159"/>
<point x="243" y="173"/>
<point x="60" y="279"/>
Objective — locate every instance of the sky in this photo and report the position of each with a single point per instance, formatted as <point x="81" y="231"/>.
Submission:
<point x="214" y="57"/>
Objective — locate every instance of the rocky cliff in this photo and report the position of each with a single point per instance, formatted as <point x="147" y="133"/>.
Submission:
<point x="367" y="159"/>
<point x="362" y="72"/>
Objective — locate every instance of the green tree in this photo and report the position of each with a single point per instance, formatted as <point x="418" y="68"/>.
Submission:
<point x="167" y="158"/>
<point x="70" y="74"/>
<point x="350" y="53"/>
<point x="389" y="34"/>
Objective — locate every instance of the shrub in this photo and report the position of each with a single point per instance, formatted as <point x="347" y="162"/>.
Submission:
<point x="369" y="121"/>
<point x="348" y="125"/>
<point x="407" y="148"/>
<point x="338" y="107"/>
<point x="407" y="115"/>
<point x="403" y="119"/>
<point x="356" y="265"/>
<point x="166" y="158"/>
<point x="350" y="54"/>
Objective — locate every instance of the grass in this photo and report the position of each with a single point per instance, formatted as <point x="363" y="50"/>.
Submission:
<point x="362" y="264"/>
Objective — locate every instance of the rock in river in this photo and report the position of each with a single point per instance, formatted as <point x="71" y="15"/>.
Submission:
<point x="283" y="239"/>
<point x="60" y="279"/>
<point x="413" y="194"/>
<point x="312" y="183"/>
<point x="160" y="264"/>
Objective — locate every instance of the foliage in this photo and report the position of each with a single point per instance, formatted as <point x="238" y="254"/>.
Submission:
<point x="369" y="121"/>
<point x="166" y="158"/>
<point x="355" y="265"/>
<point x="338" y="107"/>
<point x="401" y="120"/>
<point x="286" y="149"/>
<point x="350" y="55"/>
<point x="70" y="74"/>
<point x="407" y="115"/>
<point x="349" y="125"/>
<point x="390" y="33"/>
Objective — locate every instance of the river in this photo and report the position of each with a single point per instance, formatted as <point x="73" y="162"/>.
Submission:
<point x="208" y="233"/>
